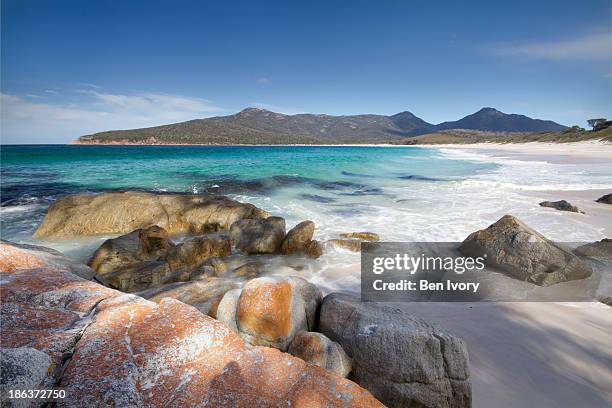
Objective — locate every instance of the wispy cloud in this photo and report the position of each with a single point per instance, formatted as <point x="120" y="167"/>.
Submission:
<point x="27" y="121"/>
<point x="588" y="47"/>
<point x="263" y="81"/>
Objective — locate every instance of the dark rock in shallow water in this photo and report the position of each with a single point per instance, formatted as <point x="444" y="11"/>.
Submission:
<point x="317" y="198"/>
<point x="262" y="236"/>
<point x="403" y="360"/>
<point x="523" y="253"/>
<point x="417" y="177"/>
<point x="146" y="258"/>
<point x="561" y="205"/>
<point x="130" y="249"/>
<point x="601" y="249"/>
<point x="606" y="199"/>
<point x="299" y="241"/>
<point x="366" y="236"/>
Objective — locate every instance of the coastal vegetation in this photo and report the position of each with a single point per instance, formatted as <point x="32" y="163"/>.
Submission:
<point x="258" y="126"/>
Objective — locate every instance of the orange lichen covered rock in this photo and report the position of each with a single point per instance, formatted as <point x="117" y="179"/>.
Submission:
<point x="112" y="349"/>
<point x="45" y="308"/>
<point x="137" y="353"/>
<point x="270" y="311"/>
<point x="15" y="257"/>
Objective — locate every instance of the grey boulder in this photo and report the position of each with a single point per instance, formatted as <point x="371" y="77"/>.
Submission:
<point x="519" y="251"/>
<point x="402" y="360"/>
<point x="561" y="205"/>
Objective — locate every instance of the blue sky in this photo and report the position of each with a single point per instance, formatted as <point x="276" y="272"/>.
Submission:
<point x="76" y="67"/>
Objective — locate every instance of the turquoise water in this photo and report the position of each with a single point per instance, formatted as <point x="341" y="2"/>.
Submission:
<point x="402" y="193"/>
<point x="188" y="168"/>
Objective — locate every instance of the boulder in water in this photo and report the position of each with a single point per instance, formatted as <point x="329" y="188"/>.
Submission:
<point x="365" y="236"/>
<point x="120" y="213"/>
<point x="605" y="199"/>
<point x="258" y="236"/>
<point x="561" y="206"/>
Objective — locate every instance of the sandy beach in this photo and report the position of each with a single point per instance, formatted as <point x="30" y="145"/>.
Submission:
<point x="537" y="354"/>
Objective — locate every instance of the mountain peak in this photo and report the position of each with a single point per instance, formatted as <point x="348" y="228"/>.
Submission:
<point x="251" y="110"/>
<point x="489" y="111"/>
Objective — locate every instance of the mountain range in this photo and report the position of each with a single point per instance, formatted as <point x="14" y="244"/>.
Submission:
<point x="260" y="126"/>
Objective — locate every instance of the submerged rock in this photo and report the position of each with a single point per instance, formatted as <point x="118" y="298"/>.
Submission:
<point x="270" y="311"/>
<point x="523" y="253"/>
<point x="606" y="199"/>
<point x="403" y="360"/>
<point x="258" y="236"/>
<point x="317" y="349"/>
<point x="561" y="206"/>
<point x="365" y="236"/>
<point x="600" y="249"/>
<point x="120" y="213"/>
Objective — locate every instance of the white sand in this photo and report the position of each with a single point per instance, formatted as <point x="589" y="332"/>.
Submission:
<point x="532" y="354"/>
<point x="555" y="152"/>
<point x="537" y="354"/>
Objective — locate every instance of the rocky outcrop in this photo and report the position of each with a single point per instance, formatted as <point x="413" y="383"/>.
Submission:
<point x="365" y="236"/>
<point x="299" y="241"/>
<point x="146" y="258"/>
<point x="606" y="199"/>
<point x="120" y="213"/>
<point x="600" y="249"/>
<point x="44" y="307"/>
<point x="353" y="245"/>
<point x="403" y="360"/>
<point x="258" y="236"/>
<point x="270" y="311"/>
<point x="204" y="294"/>
<point x="317" y="349"/>
<point x="112" y="349"/>
<point x="523" y="253"/>
<point x="561" y="205"/>
<point x="21" y="256"/>
<point x="23" y="368"/>
<point x="195" y="251"/>
<point x="130" y="250"/>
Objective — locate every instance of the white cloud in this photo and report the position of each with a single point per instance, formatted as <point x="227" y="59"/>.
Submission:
<point x="263" y="81"/>
<point x="27" y="121"/>
<point x="589" y="47"/>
